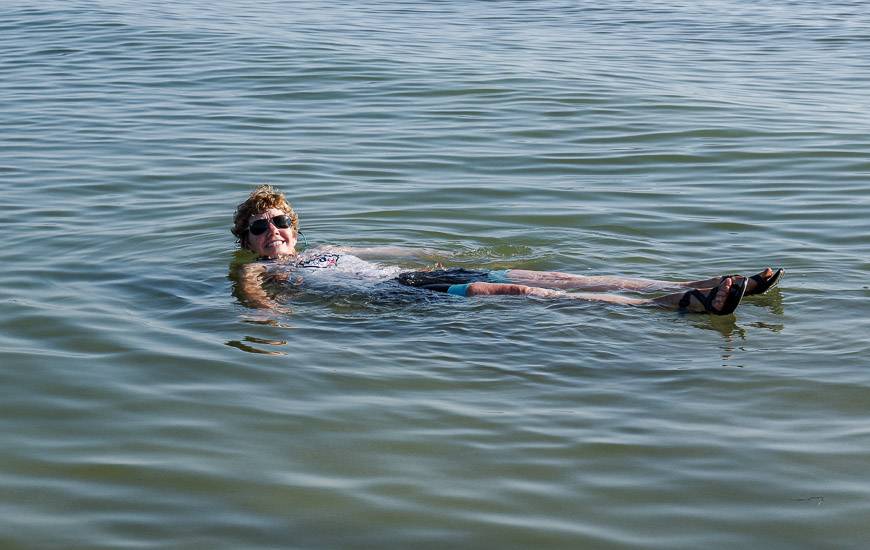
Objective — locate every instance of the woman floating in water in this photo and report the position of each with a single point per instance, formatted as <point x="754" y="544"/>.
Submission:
<point x="266" y="225"/>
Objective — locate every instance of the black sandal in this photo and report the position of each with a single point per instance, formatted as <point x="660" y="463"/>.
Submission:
<point x="735" y="294"/>
<point x="762" y="285"/>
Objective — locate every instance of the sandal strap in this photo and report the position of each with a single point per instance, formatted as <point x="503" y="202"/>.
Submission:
<point x="735" y="294"/>
<point x="698" y="295"/>
<point x="762" y="285"/>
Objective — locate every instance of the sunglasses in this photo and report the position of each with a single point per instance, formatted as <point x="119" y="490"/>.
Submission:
<point x="260" y="226"/>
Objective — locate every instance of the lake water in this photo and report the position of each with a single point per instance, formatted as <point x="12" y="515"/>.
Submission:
<point x="143" y="406"/>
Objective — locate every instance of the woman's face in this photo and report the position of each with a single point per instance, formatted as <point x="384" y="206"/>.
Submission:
<point x="273" y="241"/>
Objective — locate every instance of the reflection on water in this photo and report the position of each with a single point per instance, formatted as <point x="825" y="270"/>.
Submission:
<point x="251" y="349"/>
<point x="771" y="300"/>
<point x="768" y="326"/>
<point x="265" y="318"/>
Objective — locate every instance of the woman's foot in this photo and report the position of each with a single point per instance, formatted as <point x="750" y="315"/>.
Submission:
<point x="763" y="281"/>
<point x="720" y="300"/>
<point x="759" y="283"/>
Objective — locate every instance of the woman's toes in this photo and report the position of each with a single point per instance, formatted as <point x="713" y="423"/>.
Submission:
<point x="752" y="283"/>
<point x="722" y="293"/>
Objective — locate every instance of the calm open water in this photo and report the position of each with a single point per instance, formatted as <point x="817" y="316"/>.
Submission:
<point x="142" y="406"/>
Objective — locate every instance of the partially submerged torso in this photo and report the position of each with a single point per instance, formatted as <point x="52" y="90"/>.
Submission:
<point x="326" y="271"/>
<point x="321" y="269"/>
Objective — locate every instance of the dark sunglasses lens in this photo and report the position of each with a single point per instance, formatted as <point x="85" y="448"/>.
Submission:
<point x="259" y="227"/>
<point x="281" y="222"/>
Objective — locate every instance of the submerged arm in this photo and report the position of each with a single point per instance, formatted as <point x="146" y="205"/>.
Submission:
<point x="249" y="287"/>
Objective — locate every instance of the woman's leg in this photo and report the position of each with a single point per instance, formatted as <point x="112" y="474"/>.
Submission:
<point x="509" y="289"/>
<point x="670" y="301"/>
<point x="599" y="283"/>
<point x="608" y="283"/>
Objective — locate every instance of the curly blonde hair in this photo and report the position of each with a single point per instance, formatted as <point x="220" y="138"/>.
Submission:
<point x="261" y="199"/>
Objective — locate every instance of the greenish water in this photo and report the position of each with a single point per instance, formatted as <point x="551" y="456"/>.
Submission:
<point x="143" y="406"/>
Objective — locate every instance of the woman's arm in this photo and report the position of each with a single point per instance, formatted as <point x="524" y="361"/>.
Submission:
<point x="249" y="287"/>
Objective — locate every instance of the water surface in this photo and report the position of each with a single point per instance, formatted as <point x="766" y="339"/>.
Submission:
<point x="142" y="405"/>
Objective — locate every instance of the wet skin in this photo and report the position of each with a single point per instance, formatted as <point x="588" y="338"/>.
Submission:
<point x="274" y="242"/>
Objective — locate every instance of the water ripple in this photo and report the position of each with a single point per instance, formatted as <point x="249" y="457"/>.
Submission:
<point x="144" y="405"/>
